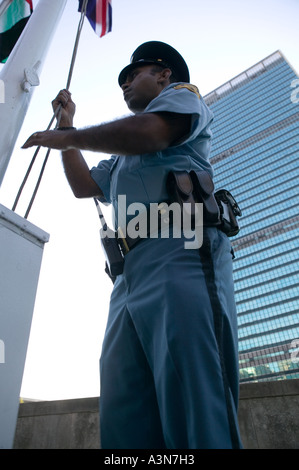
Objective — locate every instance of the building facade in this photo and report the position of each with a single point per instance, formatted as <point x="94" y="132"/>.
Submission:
<point x="255" y="155"/>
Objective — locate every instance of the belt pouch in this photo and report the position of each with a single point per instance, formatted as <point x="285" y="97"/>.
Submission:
<point x="180" y="189"/>
<point x="204" y="192"/>
<point x="113" y="255"/>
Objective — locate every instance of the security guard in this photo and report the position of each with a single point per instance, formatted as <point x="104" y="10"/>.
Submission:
<point x="169" y="362"/>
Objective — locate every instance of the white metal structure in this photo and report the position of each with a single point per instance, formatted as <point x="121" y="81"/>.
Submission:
<point x="21" y="243"/>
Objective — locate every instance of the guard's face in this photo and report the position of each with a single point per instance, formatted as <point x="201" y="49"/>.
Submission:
<point x="141" y="87"/>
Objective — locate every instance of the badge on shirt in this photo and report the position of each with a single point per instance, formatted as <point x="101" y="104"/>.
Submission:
<point x="189" y="87"/>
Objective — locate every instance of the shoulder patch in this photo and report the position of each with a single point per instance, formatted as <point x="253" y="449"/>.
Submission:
<point x="189" y="87"/>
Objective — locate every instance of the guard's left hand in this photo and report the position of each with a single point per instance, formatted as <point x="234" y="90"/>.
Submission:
<point x="50" y="139"/>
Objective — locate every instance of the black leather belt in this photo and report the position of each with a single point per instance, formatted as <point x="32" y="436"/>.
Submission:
<point x="226" y="222"/>
<point x="127" y="243"/>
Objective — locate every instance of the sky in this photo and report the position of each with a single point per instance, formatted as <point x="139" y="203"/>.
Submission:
<point x="218" y="39"/>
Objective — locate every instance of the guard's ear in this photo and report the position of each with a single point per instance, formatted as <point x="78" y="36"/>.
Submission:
<point x="165" y="74"/>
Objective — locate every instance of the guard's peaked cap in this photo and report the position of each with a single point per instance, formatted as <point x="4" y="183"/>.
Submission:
<point x="156" y="52"/>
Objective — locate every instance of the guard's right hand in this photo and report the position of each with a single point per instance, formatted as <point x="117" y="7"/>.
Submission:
<point x="68" y="108"/>
<point x="59" y="140"/>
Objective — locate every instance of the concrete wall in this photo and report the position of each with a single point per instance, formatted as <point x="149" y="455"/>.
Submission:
<point x="268" y="416"/>
<point x="65" y="424"/>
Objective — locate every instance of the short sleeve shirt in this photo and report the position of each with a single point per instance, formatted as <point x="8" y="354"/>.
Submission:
<point x="142" y="178"/>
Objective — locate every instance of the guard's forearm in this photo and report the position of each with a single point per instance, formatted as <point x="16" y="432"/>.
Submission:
<point x="78" y="175"/>
<point x="134" y="135"/>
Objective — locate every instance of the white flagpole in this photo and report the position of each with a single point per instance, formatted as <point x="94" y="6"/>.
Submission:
<point x="21" y="73"/>
<point x="4" y="5"/>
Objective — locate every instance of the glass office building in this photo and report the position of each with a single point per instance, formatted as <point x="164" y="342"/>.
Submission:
<point x="255" y="155"/>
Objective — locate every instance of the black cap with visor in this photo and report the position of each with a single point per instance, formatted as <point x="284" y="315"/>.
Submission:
<point x="159" y="53"/>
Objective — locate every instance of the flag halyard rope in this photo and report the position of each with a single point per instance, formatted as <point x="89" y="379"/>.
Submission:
<point x="55" y="115"/>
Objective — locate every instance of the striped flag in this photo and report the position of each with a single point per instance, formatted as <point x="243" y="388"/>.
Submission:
<point x="99" y="15"/>
<point x="12" y="23"/>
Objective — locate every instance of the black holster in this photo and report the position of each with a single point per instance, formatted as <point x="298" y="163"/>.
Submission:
<point x="229" y="211"/>
<point x="219" y="209"/>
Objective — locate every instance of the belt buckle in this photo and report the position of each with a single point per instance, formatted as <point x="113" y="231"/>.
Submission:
<point x="122" y="241"/>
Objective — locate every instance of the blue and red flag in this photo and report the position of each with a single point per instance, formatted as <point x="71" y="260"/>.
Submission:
<point x="12" y="23"/>
<point x="99" y="15"/>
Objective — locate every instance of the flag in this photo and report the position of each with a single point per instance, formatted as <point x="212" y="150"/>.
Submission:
<point x="99" y="15"/>
<point x="12" y="23"/>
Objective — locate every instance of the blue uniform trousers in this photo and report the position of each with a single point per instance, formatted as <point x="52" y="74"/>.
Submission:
<point x="169" y="362"/>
